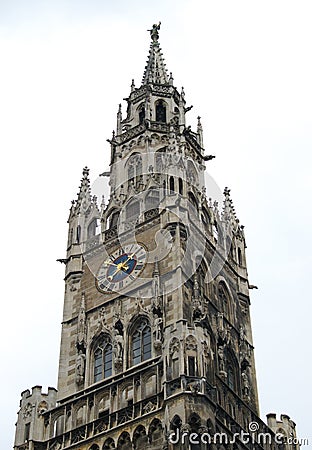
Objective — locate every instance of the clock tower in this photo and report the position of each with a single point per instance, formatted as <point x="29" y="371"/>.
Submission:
<point x="156" y="344"/>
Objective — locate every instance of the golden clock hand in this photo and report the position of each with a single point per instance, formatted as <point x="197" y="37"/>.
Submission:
<point x="108" y="262"/>
<point x="129" y="257"/>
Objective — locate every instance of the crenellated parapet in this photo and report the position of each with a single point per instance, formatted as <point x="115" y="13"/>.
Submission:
<point x="285" y="430"/>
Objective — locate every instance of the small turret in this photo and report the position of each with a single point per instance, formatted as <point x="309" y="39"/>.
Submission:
<point x="285" y="430"/>
<point x="119" y="120"/>
<point x="30" y="422"/>
<point x="200" y="139"/>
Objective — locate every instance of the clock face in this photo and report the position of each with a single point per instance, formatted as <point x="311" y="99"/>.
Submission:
<point x="121" y="268"/>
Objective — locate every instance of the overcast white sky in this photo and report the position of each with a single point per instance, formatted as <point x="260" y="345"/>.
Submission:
<point x="246" y="67"/>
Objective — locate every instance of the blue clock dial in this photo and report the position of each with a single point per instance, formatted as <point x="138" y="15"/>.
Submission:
<point x="122" y="267"/>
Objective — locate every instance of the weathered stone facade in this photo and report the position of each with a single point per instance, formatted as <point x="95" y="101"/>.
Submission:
<point x="156" y="339"/>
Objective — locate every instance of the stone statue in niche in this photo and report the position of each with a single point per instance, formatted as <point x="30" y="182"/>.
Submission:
<point x="221" y="357"/>
<point x="118" y="345"/>
<point x="245" y="384"/>
<point x="80" y="367"/>
<point x="158" y="332"/>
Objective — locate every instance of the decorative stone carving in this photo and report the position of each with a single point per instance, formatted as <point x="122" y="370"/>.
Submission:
<point x="174" y="348"/>
<point x="42" y="407"/>
<point x="190" y="343"/>
<point x="27" y="410"/>
<point x="149" y="407"/>
<point x="244" y="347"/>
<point x="223" y="329"/>
<point x="82" y="326"/>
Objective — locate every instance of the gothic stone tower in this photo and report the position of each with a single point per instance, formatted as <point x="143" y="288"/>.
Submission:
<point x="156" y="333"/>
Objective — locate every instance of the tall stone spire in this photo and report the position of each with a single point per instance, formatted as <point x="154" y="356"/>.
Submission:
<point x="155" y="71"/>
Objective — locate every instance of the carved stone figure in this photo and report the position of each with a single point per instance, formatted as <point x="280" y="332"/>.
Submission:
<point x="154" y="32"/>
<point x="118" y="345"/>
<point x="245" y="383"/>
<point x="157" y="325"/>
<point x="174" y="348"/>
<point x="80" y="367"/>
<point x="221" y="358"/>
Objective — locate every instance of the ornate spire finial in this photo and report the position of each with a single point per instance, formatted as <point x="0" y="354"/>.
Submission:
<point x="85" y="172"/>
<point x="155" y="71"/>
<point x="154" y="32"/>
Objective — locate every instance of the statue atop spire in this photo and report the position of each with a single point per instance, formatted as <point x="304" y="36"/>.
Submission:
<point x="154" y="32"/>
<point x="155" y="71"/>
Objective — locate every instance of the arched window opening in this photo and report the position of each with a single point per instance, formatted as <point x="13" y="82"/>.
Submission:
<point x="127" y="396"/>
<point x="124" y="442"/>
<point x="224" y="299"/>
<point x="191" y="362"/>
<point x="94" y="447"/>
<point x="108" y="444"/>
<point x="131" y="172"/>
<point x="103" y="357"/>
<point x="160" y="111"/>
<point x="80" y="415"/>
<point x="150" y="386"/>
<point x="171" y="185"/>
<point x="155" y="432"/>
<point x="239" y="256"/>
<point x="159" y="161"/>
<point x="140" y="439"/>
<point x="59" y="426"/>
<point x="113" y="220"/>
<point x="180" y="186"/>
<point x="141" y="343"/>
<point x="92" y="228"/>
<point x="27" y="432"/>
<point x="78" y="234"/>
<point x="133" y="209"/>
<point x="152" y="199"/>
<point x="229" y="247"/>
<point x="134" y="166"/>
<point x="141" y="114"/>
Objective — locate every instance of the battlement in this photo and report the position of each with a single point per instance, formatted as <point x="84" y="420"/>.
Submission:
<point x="284" y="426"/>
<point x="33" y="404"/>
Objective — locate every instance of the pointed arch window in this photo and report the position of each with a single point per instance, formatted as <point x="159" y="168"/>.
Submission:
<point x="113" y="220"/>
<point x="133" y="209"/>
<point x="180" y="186"/>
<point x="78" y="234"/>
<point x="239" y="255"/>
<point x="141" y="114"/>
<point x="141" y="343"/>
<point x="92" y="228"/>
<point x="103" y="358"/>
<point x="171" y="185"/>
<point x="134" y="166"/>
<point x="161" y="111"/>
